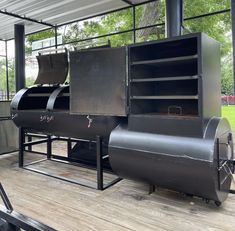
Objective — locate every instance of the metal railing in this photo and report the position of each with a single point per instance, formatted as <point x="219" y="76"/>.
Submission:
<point x="5" y="96"/>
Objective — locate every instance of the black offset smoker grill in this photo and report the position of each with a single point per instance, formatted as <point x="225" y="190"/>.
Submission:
<point x="156" y="105"/>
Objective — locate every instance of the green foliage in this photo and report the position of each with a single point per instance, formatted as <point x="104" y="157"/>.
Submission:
<point x="11" y="74"/>
<point x="2" y="75"/>
<point x="227" y="80"/>
<point x="40" y="35"/>
<point x="216" y="26"/>
<point x="199" y="7"/>
<point x="120" y="21"/>
<point x="29" y="82"/>
<point x="229" y="112"/>
<point x="111" y="23"/>
<point x="36" y="37"/>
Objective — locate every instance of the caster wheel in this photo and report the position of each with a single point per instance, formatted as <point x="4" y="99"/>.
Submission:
<point x="217" y="203"/>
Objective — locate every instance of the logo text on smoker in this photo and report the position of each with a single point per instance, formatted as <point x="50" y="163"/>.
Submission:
<point x="46" y="118"/>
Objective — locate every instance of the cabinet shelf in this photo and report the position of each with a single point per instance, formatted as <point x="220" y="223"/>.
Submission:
<point x="165" y="60"/>
<point x="165" y="75"/>
<point x="181" y="97"/>
<point x="140" y="80"/>
<point x="167" y="114"/>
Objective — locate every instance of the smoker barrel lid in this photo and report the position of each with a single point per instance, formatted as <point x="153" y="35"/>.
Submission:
<point x="53" y="68"/>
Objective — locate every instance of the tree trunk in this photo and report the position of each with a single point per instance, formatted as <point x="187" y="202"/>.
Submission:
<point x="150" y="16"/>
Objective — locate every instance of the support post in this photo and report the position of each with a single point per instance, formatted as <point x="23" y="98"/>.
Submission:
<point x="49" y="149"/>
<point x="174" y="17"/>
<point x="134" y="23"/>
<point x="233" y="39"/>
<point x="99" y="162"/>
<point x="21" y="147"/>
<point x="20" y="78"/>
<point x="19" y="56"/>
<point x="152" y="189"/>
<point x="56" y="39"/>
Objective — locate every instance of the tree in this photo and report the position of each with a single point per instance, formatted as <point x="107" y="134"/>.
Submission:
<point x="147" y="14"/>
<point x="36" y="37"/>
<point x="150" y="14"/>
<point x="227" y="80"/>
<point x="11" y="78"/>
<point x="118" y="21"/>
<point x="216" y="26"/>
<point x="219" y="28"/>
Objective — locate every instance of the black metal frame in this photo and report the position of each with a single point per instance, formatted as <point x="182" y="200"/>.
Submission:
<point x="7" y="71"/>
<point x="65" y="160"/>
<point x="5" y="12"/>
<point x="19" y="31"/>
<point x="17" y="220"/>
<point x="134" y="29"/>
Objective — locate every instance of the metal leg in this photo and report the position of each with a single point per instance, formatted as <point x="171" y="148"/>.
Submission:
<point x="69" y="145"/>
<point x="21" y="147"/>
<point x="49" y="148"/>
<point x="29" y="140"/>
<point x="66" y="160"/>
<point x="152" y="189"/>
<point x="99" y="161"/>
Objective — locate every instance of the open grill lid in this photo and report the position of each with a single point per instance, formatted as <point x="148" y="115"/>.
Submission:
<point x="53" y="68"/>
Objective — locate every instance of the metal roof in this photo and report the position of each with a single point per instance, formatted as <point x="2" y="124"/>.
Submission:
<point x="42" y="14"/>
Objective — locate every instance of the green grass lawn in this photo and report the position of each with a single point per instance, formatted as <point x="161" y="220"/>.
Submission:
<point x="229" y="113"/>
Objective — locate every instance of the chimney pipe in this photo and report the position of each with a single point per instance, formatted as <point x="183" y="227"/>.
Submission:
<point x="174" y="17"/>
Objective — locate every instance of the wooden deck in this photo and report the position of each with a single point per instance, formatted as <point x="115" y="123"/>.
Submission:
<point x="125" y="206"/>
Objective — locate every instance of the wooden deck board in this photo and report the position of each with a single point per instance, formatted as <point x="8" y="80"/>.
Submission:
<point x="125" y="206"/>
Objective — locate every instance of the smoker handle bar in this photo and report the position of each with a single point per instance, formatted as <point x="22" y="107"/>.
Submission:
<point x="53" y="50"/>
<point x="5" y="199"/>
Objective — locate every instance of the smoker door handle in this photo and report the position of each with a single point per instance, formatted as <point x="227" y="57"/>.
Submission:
<point x="230" y="143"/>
<point x="17" y="98"/>
<point x="224" y="166"/>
